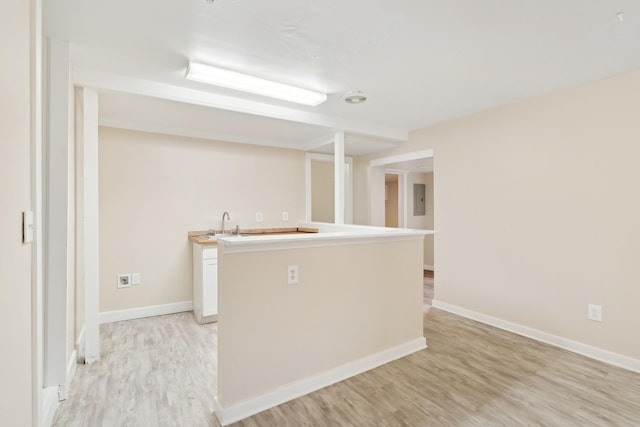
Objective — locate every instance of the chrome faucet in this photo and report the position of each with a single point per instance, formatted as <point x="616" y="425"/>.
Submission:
<point x="228" y="219"/>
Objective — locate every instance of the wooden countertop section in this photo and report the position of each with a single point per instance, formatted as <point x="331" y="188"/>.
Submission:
<point x="202" y="237"/>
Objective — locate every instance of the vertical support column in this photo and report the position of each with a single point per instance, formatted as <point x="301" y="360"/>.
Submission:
<point x="308" y="188"/>
<point x="89" y="225"/>
<point x="57" y="203"/>
<point x="338" y="170"/>
<point x="403" y="200"/>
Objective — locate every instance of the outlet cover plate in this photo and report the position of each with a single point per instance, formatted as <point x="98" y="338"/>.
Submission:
<point x="594" y="312"/>
<point x="292" y="274"/>
<point x="124" y="280"/>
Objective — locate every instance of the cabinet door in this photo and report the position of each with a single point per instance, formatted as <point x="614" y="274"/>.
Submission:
<point x="210" y="287"/>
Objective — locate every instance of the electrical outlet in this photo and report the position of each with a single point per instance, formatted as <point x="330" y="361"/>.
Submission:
<point x="135" y="279"/>
<point x="124" y="280"/>
<point x="259" y="217"/>
<point x="594" y="312"/>
<point x="285" y="216"/>
<point x="292" y="274"/>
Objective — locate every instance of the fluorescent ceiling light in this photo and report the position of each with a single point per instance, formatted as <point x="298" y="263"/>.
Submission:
<point x="234" y="80"/>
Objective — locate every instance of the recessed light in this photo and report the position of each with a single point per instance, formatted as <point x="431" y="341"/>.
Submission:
<point x="355" y="97"/>
<point x="246" y="83"/>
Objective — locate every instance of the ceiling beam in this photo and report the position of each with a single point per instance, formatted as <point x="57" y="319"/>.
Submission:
<point x="191" y="133"/>
<point x="107" y="81"/>
<point x="318" y="142"/>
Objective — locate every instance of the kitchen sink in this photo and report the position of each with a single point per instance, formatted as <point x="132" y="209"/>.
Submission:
<point x="213" y="237"/>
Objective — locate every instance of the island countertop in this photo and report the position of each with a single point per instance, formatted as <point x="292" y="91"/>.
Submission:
<point x="324" y="234"/>
<point x="206" y="237"/>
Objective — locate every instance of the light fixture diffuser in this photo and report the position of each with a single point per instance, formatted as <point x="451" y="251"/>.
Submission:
<point x="233" y="80"/>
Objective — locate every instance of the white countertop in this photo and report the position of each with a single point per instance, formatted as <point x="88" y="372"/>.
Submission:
<point x="328" y="235"/>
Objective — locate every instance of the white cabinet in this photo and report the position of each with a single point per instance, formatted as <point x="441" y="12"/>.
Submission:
<point x="205" y="282"/>
<point x="210" y="287"/>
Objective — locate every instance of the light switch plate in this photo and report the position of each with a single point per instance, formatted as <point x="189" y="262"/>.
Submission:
<point x="594" y="312"/>
<point x="27" y="227"/>
<point x="259" y="217"/>
<point x="285" y="216"/>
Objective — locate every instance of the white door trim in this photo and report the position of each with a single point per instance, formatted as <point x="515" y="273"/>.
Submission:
<point x="88" y="227"/>
<point x="37" y="267"/>
<point x="338" y="178"/>
<point x="402" y="196"/>
<point x="56" y="191"/>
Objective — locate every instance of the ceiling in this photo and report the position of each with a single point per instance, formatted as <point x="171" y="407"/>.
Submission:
<point x="420" y="62"/>
<point x="150" y="114"/>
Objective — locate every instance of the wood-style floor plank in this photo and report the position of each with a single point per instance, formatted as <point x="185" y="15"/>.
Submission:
<point x="160" y="372"/>
<point x="428" y="289"/>
<point x="472" y="375"/>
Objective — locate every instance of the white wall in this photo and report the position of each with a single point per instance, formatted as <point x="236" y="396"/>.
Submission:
<point x="15" y="197"/>
<point x="78" y="213"/>
<point x="322" y="191"/>
<point x="156" y="188"/>
<point x="422" y="222"/>
<point x="72" y="327"/>
<point x="429" y="210"/>
<point x="361" y="191"/>
<point x="536" y="212"/>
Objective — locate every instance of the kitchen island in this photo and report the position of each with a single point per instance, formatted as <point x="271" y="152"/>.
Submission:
<point x="298" y="312"/>
<point x="205" y="266"/>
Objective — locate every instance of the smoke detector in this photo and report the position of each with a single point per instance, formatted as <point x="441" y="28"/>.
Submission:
<point x="355" y="97"/>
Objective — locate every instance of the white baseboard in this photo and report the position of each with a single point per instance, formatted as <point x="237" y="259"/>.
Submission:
<point x="310" y="384"/>
<point x="141" y="312"/>
<point x="609" y="357"/>
<point x="428" y="267"/>
<point x="71" y="367"/>
<point x="49" y="405"/>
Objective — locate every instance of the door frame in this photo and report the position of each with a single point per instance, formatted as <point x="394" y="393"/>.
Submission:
<point x="376" y="171"/>
<point x="402" y="196"/>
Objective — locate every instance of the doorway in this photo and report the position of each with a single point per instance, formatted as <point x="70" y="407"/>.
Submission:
<point x="391" y="200"/>
<point x="401" y="189"/>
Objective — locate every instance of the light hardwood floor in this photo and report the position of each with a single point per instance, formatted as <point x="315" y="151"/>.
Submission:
<point x="160" y="372"/>
<point x="428" y="289"/>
